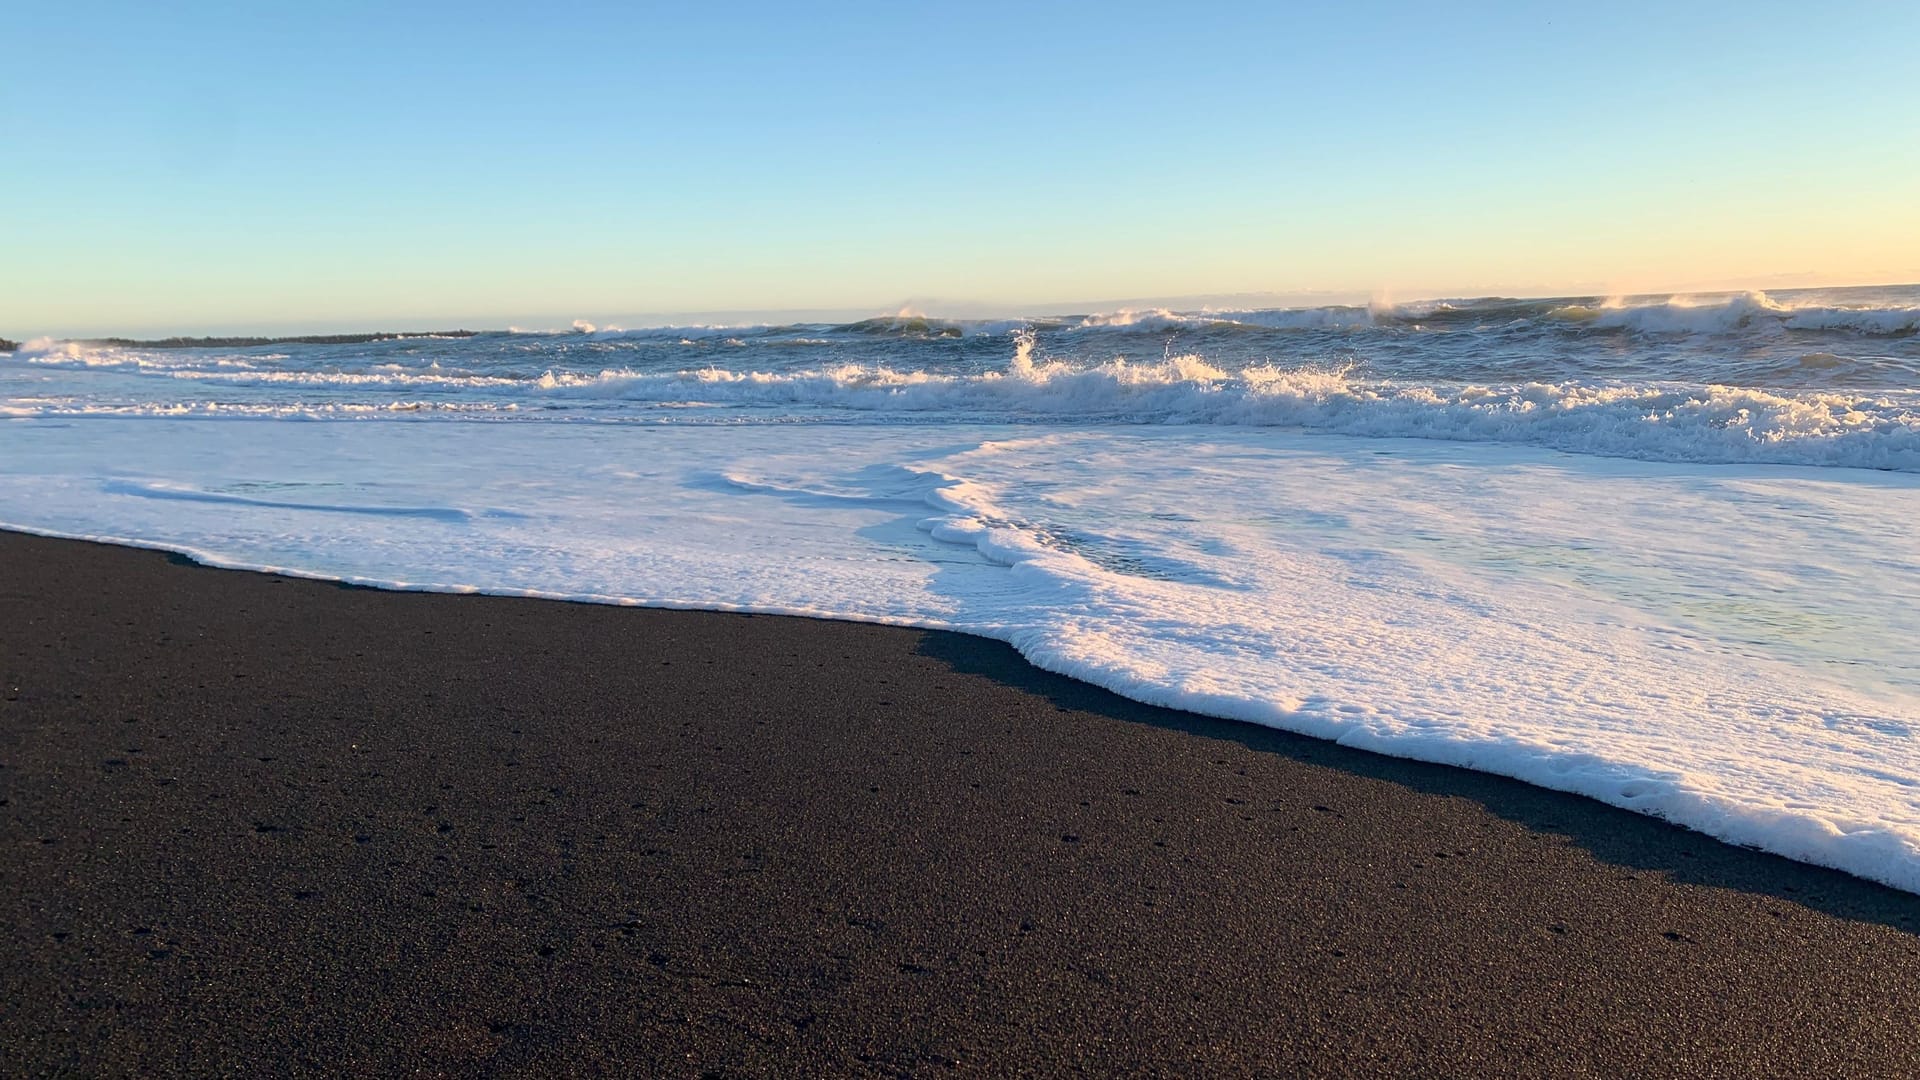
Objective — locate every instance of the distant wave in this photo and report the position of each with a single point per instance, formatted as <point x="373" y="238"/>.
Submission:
<point x="1722" y="314"/>
<point x="1744" y="311"/>
<point x="45" y="352"/>
<point x="666" y="333"/>
<point x="1704" y="314"/>
<point x="49" y="351"/>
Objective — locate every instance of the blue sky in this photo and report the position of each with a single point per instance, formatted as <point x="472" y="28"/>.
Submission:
<point x="231" y="166"/>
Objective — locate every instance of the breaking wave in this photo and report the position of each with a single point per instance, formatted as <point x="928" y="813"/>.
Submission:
<point x="1714" y="424"/>
<point x="1746" y="311"/>
<point x="1670" y="422"/>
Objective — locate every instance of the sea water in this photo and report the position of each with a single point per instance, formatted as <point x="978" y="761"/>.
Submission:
<point x="1657" y="551"/>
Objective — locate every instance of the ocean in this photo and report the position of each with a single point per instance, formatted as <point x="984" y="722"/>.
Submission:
<point x="1660" y="551"/>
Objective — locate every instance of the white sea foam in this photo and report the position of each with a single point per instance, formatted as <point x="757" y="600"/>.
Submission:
<point x="1725" y="647"/>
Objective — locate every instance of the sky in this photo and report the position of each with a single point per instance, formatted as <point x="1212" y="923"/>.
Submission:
<point x="202" y="167"/>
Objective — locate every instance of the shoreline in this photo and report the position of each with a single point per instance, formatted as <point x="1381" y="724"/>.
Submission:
<point x="252" y="816"/>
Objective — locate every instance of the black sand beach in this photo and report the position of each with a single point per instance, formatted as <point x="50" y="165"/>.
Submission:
<point x="255" y="825"/>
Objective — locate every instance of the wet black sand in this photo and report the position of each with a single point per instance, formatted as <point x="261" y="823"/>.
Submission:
<point x="251" y="824"/>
